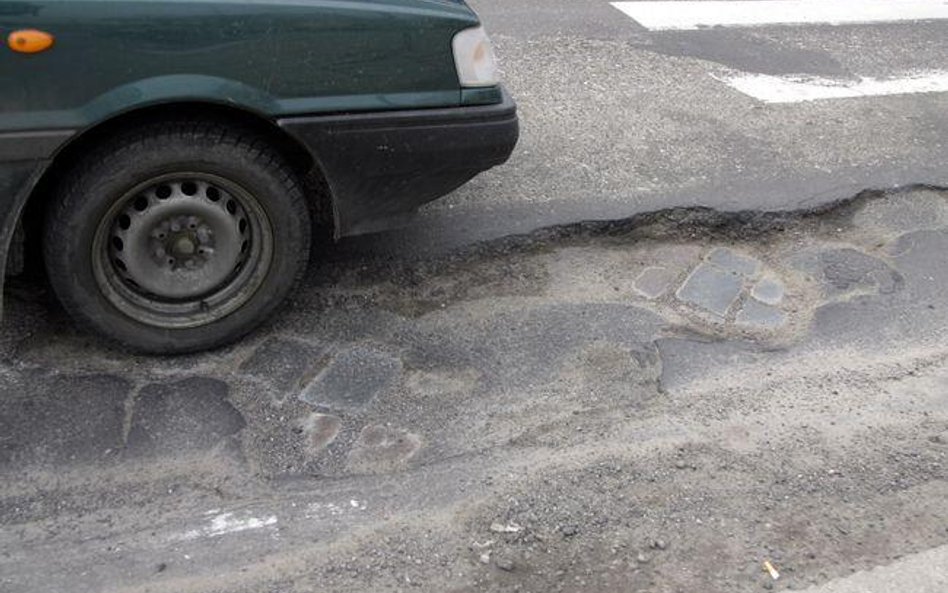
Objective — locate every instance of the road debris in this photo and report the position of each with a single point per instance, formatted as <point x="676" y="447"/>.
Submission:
<point x="659" y="544"/>
<point x="504" y="563"/>
<point x="497" y="527"/>
<point x="771" y="570"/>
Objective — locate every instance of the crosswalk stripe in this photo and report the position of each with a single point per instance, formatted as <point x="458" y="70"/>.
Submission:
<point x="798" y="89"/>
<point x="687" y="15"/>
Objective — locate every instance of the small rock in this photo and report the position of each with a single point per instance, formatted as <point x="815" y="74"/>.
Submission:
<point x="659" y="544"/>
<point x="504" y="563"/>
<point x="485" y="558"/>
<point x="569" y="530"/>
<point x="161" y="567"/>
<point x="641" y="558"/>
<point x="937" y="439"/>
<point x="680" y="464"/>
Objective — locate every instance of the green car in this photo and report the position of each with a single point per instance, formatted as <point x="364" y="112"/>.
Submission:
<point x="167" y="160"/>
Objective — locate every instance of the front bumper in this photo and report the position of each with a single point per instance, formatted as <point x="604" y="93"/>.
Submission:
<point x="382" y="166"/>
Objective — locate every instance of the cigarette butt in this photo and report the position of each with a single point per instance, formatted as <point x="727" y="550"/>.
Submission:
<point x="770" y="568"/>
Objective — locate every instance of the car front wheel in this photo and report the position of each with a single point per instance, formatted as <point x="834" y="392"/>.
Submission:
<point x="177" y="237"/>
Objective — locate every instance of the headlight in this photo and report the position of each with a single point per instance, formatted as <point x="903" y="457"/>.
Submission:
<point x="474" y="58"/>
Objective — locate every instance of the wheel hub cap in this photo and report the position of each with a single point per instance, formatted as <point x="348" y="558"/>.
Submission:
<point x="182" y="250"/>
<point x="173" y="242"/>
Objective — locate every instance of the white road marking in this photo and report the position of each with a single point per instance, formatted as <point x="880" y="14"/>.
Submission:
<point x="754" y="13"/>
<point x="320" y="510"/>
<point x="226" y="523"/>
<point x="797" y="89"/>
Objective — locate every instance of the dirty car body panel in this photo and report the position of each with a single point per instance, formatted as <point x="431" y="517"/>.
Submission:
<point x="369" y="87"/>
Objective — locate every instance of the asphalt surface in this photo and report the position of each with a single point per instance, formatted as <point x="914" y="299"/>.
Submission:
<point x="618" y="120"/>
<point x="731" y="372"/>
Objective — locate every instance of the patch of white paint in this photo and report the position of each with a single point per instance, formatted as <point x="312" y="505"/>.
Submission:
<point x="321" y="510"/>
<point x="755" y="13"/>
<point x="226" y="523"/>
<point x="797" y="89"/>
<point x="316" y="510"/>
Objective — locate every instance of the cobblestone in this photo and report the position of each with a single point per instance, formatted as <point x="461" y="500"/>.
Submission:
<point x="759" y="315"/>
<point x="711" y="289"/>
<point x="189" y="415"/>
<point x="321" y="430"/>
<point x="654" y="282"/>
<point x="732" y="261"/>
<point x="382" y="449"/>
<point x="768" y="290"/>
<point x="282" y="362"/>
<point x="353" y="379"/>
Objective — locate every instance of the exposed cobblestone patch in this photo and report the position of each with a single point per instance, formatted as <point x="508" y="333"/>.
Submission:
<point x="735" y="288"/>
<point x="654" y="282"/>
<point x="181" y="417"/>
<point x="768" y="290"/>
<point x="382" y="449"/>
<point x="759" y="315"/>
<point x="711" y="289"/>
<point x="353" y="379"/>
<point x="733" y="261"/>
<point x="285" y="364"/>
<point x="320" y="431"/>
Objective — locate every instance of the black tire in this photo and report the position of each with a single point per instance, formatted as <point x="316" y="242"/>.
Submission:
<point x="267" y="192"/>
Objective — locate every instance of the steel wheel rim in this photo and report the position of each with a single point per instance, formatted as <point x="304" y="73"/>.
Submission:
<point x="182" y="250"/>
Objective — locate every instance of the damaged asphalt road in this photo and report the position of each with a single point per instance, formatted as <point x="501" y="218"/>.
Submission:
<point x="618" y="120"/>
<point x="659" y="404"/>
